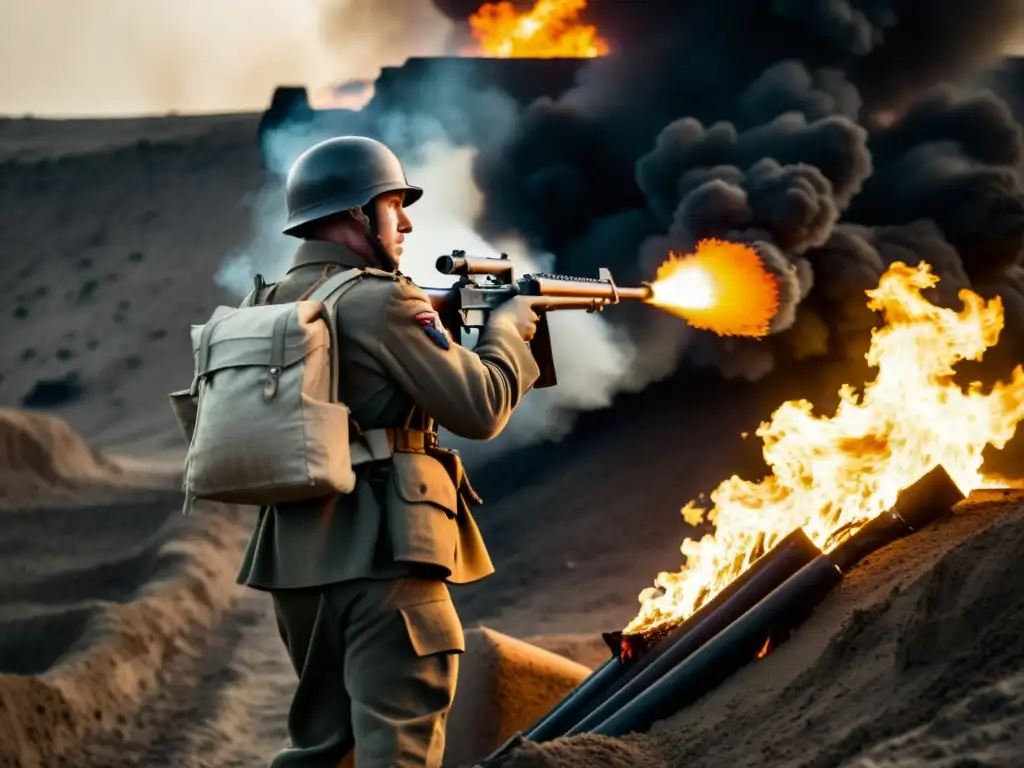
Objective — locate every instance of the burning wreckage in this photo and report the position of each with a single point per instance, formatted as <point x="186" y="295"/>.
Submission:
<point x="895" y="455"/>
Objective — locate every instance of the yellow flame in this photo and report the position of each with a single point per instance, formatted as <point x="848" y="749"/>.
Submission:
<point x="551" y="29"/>
<point x="722" y="287"/>
<point x="830" y="472"/>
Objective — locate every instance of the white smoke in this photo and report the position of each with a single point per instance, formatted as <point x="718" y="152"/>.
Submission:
<point x="141" y="57"/>
<point x="592" y="357"/>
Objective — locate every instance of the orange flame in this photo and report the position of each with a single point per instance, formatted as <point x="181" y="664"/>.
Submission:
<point x="722" y="287"/>
<point x="843" y="470"/>
<point x="551" y="29"/>
<point x="765" y="649"/>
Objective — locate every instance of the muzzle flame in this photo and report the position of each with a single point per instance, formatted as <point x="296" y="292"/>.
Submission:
<point x="722" y="287"/>
<point x="832" y="474"/>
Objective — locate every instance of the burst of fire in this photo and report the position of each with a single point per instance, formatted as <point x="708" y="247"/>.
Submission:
<point x="551" y="29"/>
<point x="830" y="473"/>
<point x="722" y="287"/>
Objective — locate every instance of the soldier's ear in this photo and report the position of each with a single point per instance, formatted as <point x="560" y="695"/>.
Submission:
<point x="360" y="215"/>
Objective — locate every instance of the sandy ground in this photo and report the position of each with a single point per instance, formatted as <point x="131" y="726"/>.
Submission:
<point x="124" y="641"/>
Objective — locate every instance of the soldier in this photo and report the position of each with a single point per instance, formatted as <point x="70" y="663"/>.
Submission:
<point x="359" y="581"/>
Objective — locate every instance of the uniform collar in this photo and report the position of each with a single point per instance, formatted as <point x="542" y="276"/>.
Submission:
<point x="323" y="252"/>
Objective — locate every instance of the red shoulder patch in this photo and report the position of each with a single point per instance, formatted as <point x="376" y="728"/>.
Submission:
<point x="430" y="322"/>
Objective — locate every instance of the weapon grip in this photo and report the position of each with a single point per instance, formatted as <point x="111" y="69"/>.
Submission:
<point x="446" y="304"/>
<point x="540" y="347"/>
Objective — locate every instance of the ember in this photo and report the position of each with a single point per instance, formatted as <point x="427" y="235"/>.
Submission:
<point x="837" y="473"/>
<point x="551" y="29"/>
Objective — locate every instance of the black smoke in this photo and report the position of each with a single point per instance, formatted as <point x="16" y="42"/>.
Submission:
<point x="834" y="133"/>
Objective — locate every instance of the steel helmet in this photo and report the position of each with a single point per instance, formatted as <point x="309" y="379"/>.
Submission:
<point x="342" y="173"/>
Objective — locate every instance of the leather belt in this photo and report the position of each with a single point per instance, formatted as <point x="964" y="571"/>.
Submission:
<point x="382" y="444"/>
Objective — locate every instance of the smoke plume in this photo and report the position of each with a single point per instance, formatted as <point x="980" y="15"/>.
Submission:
<point x="827" y="133"/>
<point x="830" y="134"/>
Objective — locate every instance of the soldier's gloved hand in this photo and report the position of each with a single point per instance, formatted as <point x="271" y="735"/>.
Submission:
<point x="518" y="312"/>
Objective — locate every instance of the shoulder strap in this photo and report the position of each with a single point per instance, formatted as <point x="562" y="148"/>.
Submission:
<point x="331" y="289"/>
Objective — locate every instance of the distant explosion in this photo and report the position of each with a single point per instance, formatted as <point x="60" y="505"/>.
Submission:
<point x="551" y="28"/>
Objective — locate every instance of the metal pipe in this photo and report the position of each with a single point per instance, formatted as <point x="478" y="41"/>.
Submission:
<point x="917" y="505"/>
<point x="778" y="613"/>
<point x="553" y="712"/>
<point x="650" y="644"/>
<point x="576" y="704"/>
<point x="766" y="572"/>
<point x="771" y="570"/>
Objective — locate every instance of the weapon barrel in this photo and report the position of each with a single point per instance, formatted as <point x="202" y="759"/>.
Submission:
<point x="570" y="286"/>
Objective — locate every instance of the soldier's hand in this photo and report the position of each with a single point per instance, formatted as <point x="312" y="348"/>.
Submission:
<point x="518" y="312"/>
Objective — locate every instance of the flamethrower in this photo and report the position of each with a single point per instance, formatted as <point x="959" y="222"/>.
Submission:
<point x="485" y="283"/>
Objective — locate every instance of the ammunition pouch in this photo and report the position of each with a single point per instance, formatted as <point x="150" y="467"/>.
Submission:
<point x="427" y="490"/>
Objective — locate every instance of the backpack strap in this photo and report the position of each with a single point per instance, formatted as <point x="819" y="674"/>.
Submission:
<point x="329" y="292"/>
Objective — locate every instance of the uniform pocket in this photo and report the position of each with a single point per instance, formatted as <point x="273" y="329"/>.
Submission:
<point x="434" y="627"/>
<point x="422" y="505"/>
<point x="421" y="479"/>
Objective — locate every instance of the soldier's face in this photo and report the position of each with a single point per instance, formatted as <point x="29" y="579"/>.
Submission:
<point x="393" y="223"/>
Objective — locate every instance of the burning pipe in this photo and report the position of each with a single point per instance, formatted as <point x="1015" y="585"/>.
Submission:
<point x="791" y="555"/>
<point x="774" y="617"/>
<point x="643" y="658"/>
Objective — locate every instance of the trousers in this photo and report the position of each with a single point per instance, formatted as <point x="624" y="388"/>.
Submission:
<point x="377" y="662"/>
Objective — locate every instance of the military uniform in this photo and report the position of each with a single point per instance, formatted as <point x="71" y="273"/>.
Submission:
<point x="359" y="581"/>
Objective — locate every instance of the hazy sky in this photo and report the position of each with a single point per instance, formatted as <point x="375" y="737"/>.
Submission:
<point x="76" y="57"/>
<point x="95" y="57"/>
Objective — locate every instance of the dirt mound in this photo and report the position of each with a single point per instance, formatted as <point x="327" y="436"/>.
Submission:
<point x="505" y="685"/>
<point x="44" y="462"/>
<point x="98" y="603"/>
<point x="119" y="647"/>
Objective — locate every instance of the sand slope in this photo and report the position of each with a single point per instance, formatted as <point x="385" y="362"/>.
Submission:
<point x="108" y="256"/>
<point x="45" y="463"/>
<point x="101" y="607"/>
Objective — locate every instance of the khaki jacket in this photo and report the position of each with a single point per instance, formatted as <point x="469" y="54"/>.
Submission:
<point x="409" y="515"/>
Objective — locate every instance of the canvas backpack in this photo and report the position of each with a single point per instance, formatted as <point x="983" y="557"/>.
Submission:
<point x="262" y="417"/>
